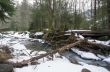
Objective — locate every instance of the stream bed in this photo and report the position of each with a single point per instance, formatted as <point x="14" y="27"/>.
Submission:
<point x="23" y="42"/>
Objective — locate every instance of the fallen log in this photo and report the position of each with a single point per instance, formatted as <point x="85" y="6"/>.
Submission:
<point x="33" y="60"/>
<point x="55" y="51"/>
<point x="81" y="44"/>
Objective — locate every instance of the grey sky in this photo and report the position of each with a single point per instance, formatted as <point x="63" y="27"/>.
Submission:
<point x="81" y="4"/>
<point x="30" y="1"/>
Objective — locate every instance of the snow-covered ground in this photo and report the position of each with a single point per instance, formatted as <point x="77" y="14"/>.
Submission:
<point x="60" y="65"/>
<point x="20" y="53"/>
<point x="77" y="30"/>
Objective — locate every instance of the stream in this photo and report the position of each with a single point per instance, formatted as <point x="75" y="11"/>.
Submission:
<point x="36" y="45"/>
<point x="76" y="57"/>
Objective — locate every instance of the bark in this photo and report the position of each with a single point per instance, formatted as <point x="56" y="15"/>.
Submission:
<point x="108" y="11"/>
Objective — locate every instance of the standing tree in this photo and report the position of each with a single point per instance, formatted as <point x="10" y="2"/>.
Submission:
<point x="6" y="9"/>
<point x="108" y="12"/>
<point x="25" y="12"/>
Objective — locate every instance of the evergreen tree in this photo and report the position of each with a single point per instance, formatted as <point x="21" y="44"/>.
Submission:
<point x="6" y="9"/>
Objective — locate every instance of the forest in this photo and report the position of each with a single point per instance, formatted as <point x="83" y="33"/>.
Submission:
<point x="55" y="35"/>
<point x="58" y="14"/>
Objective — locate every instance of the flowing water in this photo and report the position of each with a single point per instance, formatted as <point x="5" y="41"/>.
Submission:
<point x="39" y="46"/>
<point x="77" y="58"/>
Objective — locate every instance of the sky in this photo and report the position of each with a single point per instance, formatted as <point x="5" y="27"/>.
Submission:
<point x="30" y="1"/>
<point x="81" y="4"/>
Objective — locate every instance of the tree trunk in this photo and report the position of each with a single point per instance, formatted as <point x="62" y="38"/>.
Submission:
<point x="108" y="12"/>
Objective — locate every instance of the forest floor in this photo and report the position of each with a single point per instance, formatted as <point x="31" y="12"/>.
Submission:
<point x="18" y="43"/>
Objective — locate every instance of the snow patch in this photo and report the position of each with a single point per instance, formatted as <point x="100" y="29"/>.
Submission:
<point x="19" y="59"/>
<point x="107" y="59"/>
<point x="86" y="55"/>
<point x="39" y="33"/>
<point x="41" y="40"/>
<point x="19" y="46"/>
<point x="77" y="30"/>
<point x="100" y="42"/>
<point x="42" y="52"/>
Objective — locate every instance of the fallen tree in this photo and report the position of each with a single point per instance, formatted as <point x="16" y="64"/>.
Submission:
<point x="81" y="44"/>
<point x="34" y="59"/>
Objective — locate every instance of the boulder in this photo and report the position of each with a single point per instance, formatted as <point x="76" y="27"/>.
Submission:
<point x="85" y="70"/>
<point x="6" y="68"/>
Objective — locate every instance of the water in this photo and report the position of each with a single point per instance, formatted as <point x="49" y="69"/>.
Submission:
<point x="36" y="45"/>
<point x="77" y="58"/>
<point x="39" y="46"/>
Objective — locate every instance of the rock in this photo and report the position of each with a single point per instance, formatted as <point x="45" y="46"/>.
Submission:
<point x="85" y="70"/>
<point x="6" y="68"/>
<point x="34" y="63"/>
<point x="73" y="60"/>
<point x="5" y="53"/>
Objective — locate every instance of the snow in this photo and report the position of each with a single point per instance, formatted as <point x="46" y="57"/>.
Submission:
<point x="19" y="46"/>
<point x="4" y="41"/>
<point x="107" y="59"/>
<point x="77" y="30"/>
<point x="100" y="42"/>
<point x="59" y="65"/>
<point x="89" y="55"/>
<point x="86" y="55"/>
<point x="39" y="33"/>
<point x="20" y="53"/>
<point x="19" y="59"/>
<point x="42" y="52"/>
<point x="41" y="40"/>
<point x="22" y="35"/>
<point x="80" y="36"/>
<point x="95" y="68"/>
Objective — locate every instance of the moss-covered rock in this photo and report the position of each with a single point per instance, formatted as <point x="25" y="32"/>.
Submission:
<point x="5" y="53"/>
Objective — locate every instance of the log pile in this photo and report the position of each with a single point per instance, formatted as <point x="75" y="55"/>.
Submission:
<point x="59" y="39"/>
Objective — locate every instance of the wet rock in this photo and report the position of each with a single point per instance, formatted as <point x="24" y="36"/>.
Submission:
<point x="85" y="70"/>
<point x="5" y="53"/>
<point x="73" y="60"/>
<point x="6" y="68"/>
<point x="34" y="63"/>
